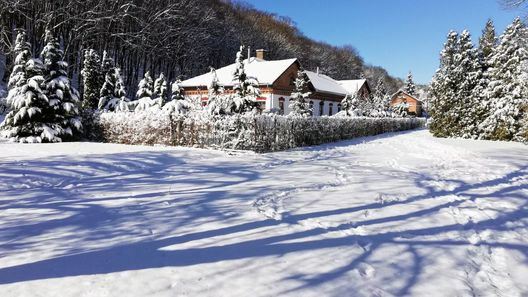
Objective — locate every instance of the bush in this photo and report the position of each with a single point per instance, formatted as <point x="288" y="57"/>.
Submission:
<point x="260" y="133"/>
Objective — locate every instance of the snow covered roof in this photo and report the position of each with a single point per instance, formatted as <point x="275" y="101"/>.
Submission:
<point x="352" y="86"/>
<point x="325" y="84"/>
<point x="266" y="72"/>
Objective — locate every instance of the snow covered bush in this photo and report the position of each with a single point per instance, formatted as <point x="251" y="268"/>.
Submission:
<point x="401" y="109"/>
<point x="260" y="133"/>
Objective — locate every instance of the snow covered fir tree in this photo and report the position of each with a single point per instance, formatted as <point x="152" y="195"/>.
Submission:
<point x="92" y="79"/>
<point x="144" y="94"/>
<point x="482" y="93"/>
<point x="44" y="106"/>
<point x="61" y="95"/>
<point x="299" y="105"/>
<point x="410" y="86"/>
<point x="246" y="88"/>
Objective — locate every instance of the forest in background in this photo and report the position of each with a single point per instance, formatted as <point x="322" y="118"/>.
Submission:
<point x="181" y="38"/>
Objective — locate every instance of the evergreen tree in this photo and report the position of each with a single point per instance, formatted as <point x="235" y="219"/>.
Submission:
<point x="107" y="63"/>
<point x="298" y="104"/>
<point x="18" y="78"/>
<point x="401" y="109"/>
<point x="410" y="87"/>
<point x="92" y="79"/>
<point x="507" y="89"/>
<point x="144" y="93"/>
<point x="178" y="104"/>
<point x="246" y="88"/>
<point x="160" y="88"/>
<point x="350" y="105"/>
<point x="467" y="106"/>
<point x="32" y="118"/>
<point x="217" y="103"/>
<point x="113" y="92"/>
<point x="487" y="44"/>
<point x="381" y="100"/>
<point x="177" y="90"/>
<point x="61" y="95"/>
<point x="444" y="88"/>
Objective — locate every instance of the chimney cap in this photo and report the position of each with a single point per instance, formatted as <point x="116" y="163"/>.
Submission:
<point x="261" y="53"/>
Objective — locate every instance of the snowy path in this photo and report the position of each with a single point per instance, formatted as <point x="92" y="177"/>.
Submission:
<point x="394" y="215"/>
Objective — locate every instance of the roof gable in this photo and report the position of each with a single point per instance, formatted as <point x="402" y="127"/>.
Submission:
<point x="405" y="93"/>
<point x="353" y="86"/>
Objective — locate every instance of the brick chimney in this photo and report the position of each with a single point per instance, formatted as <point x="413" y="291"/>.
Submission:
<point x="261" y="54"/>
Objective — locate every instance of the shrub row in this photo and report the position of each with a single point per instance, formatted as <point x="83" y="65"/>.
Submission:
<point x="260" y="133"/>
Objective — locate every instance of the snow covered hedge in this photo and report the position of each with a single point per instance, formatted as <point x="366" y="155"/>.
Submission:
<point x="261" y="133"/>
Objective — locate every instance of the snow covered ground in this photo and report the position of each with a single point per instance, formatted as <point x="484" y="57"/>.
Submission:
<point x="394" y="215"/>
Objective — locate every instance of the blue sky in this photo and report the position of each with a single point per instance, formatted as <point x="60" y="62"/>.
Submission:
<point x="399" y="35"/>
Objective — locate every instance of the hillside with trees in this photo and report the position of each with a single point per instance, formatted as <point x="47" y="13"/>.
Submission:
<point x="180" y="38"/>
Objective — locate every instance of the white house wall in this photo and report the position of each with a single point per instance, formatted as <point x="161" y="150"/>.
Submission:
<point x="272" y="101"/>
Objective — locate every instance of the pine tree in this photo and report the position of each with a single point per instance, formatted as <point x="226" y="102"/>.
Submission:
<point x="381" y="101"/>
<point x="144" y="93"/>
<point x="107" y="63"/>
<point x="92" y="79"/>
<point x="246" y="88"/>
<point x="113" y="92"/>
<point x="467" y="105"/>
<point x="487" y="44"/>
<point x="410" y="87"/>
<point x="298" y="104"/>
<point x="444" y="88"/>
<point x="18" y="76"/>
<point x="350" y="105"/>
<point x="401" y="109"/>
<point x="32" y="118"/>
<point x="217" y="103"/>
<point x="178" y="104"/>
<point x="161" y="88"/>
<point x="61" y="95"/>
<point x="507" y="89"/>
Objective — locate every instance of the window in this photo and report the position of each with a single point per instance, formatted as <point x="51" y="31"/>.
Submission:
<point x="330" y="107"/>
<point x="339" y="107"/>
<point x="311" y="106"/>
<point x="281" y="105"/>
<point x="321" y="108"/>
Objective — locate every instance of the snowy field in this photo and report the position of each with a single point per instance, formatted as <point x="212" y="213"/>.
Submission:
<point x="394" y="215"/>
